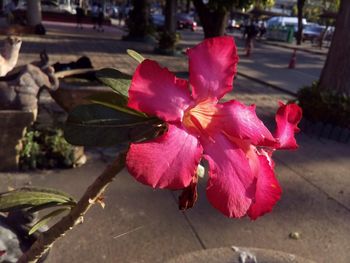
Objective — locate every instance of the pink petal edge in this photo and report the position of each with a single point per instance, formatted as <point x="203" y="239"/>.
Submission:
<point x="156" y="91"/>
<point x="287" y="119"/>
<point x="231" y="184"/>
<point x="212" y="66"/>
<point x="170" y="161"/>
<point x="268" y="190"/>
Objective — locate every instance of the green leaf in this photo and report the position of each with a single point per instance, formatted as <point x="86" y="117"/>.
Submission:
<point x="114" y="101"/>
<point x="113" y="78"/>
<point x="97" y="125"/>
<point x="43" y="221"/>
<point x="50" y="205"/>
<point x="28" y="197"/>
<point x="137" y="56"/>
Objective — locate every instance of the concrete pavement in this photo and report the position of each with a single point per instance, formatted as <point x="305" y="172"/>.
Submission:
<point x="140" y="224"/>
<point x="268" y="62"/>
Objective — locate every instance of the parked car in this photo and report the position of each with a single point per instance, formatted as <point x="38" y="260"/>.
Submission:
<point x="312" y="32"/>
<point x="186" y="21"/>
<point x="183" y="21"/>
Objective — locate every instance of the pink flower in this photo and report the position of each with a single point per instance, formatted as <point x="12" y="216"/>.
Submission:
<point x="229" y="135"/>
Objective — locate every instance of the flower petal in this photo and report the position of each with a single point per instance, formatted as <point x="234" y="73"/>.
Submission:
<point x="156" y="91"/>
<point x="212" y="65"/>
<point x="268" y="190"/>
<point x="231" y="185"/>
<point x="170" y="161"/>
<point x="287" y="119"/>
<point x="240" y="121"/>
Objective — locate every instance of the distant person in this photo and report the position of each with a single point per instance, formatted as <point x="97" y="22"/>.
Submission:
<point x="121" y="15"/>
<point x="80" y="13"/>
<point x="8" y="11"/>
<point x="100" y="18"/>
<point x="262" y="30"/>
<point x="94" y="14"/>
<point x="250" y="31"/>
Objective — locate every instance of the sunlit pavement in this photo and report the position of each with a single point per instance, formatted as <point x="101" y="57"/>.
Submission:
<point x="140" y="224"/>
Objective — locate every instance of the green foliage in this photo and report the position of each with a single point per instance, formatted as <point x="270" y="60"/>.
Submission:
<point x="34" y="199"/>
<point x="167" y="40"/>
<point x="116" y="80"/>
<point x="46" y="219"/>
<point x="228" y="4"/>
<point x="108" y="121"/>
<point x="135" y="55"/>
<point x="98" y="125"/>
<point x="31" y="197"/>
<point x="325" y="106"/>
<point x="45" y="148"/>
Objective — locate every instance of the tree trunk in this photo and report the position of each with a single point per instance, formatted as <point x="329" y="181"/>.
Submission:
<point x="213" y="21"/>
<point x="188" y="6"/>
<point x="170" y="16"/>
<point x="300" y="6"/>
<point x="138" y="22"/>
<point x="167" y="40"/>
<point x="336" y="71"/>
<point x="33" y="12"/>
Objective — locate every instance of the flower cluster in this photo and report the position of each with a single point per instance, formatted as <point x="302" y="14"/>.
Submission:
<point x="230" y="136"/>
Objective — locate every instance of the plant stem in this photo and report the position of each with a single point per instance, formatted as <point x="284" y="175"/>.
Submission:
<point x="95" y="190"/>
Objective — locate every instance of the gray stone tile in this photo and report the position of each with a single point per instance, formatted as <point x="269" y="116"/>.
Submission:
<point x="322" y="223"/>
<point x="138" y="224"/>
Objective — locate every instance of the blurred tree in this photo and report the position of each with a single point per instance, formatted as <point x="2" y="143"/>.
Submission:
<point x="300" y="6"/>
<point x="335" y="75"/>
<point x="314" y="8"/>
<point x="167" y="38"/>
<point x="33" y="12"/>
<point x="213" y="14"/>
<point x="170" y="16"/>
<point x="138" y="22"/>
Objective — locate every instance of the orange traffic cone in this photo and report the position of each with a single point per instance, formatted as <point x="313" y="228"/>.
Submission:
<point x="293" y="59"/>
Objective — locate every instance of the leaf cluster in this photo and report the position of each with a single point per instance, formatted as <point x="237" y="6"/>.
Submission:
<point x="239" y="4"/>
<point x="32" y="200"/>
<point x="108" y="121"/>
<point x="325" y="106"/>
<point x="45" y="148"/>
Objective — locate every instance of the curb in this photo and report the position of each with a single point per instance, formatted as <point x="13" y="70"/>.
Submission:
<point x="267" y="84"/>
<point x="296" y="48"/>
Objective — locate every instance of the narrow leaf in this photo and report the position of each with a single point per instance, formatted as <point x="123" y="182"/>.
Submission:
<point x="114" y="101"/>
<point x="43" y="221"/>
<point x="113" y="78"/>
<point x="32" y="197"/>
<point x="97" y="125"/>
<point x="50" y="205"/>
<point x="135" y="55"/>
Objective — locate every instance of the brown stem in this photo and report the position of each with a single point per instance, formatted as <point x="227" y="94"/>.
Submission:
<point x="95" y="190"/>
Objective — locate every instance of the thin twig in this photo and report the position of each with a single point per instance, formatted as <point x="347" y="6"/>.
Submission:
<point x="95" y="190"/>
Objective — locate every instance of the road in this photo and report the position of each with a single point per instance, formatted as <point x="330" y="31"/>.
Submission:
<point x="269" y="63"/>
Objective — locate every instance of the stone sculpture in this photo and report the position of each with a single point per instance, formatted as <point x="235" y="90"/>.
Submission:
<point x="9" y="55"/>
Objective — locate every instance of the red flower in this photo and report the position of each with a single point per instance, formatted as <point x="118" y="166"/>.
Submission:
<point x="228" y="135"/>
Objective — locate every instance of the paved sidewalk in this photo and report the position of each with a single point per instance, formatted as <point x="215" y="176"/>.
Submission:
<point x="305" y="46"/>
<point x="140" y="224"/>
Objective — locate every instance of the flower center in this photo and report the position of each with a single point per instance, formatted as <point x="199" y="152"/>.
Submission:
<point x="198" y="118"/>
